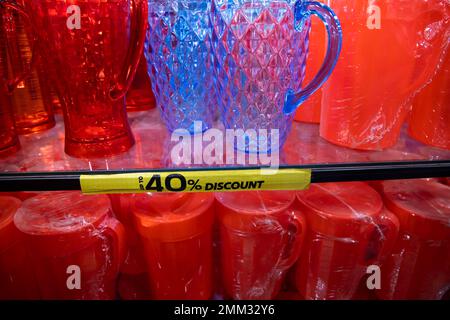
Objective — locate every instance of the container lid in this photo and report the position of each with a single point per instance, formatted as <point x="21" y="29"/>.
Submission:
<point x="340" y="209"/>
<point x="8" y="207"/>
<point x="60" y="213"/>
<point x="423" y="207"/>
<point x="173" y="216"/>
<point x="243" y="210"/>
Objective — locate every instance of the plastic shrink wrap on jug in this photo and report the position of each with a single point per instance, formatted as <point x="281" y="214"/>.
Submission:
<point x="348" y="230"/>
<point x="430" y="117"/>
<point x="176" y="232"/>
<point x="16" y="274"/>
<point x="75" y="246"/>
<point x="260" y="236"/>
<point x="419" y="265"/>
<point x="391" y="49"/>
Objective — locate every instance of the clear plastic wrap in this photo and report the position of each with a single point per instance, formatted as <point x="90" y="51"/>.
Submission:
<point x="348" y="230"/>
<point x="260" y="239"/>
<point x="176" y="233"/>
<point x="75" y="245"/>
<point x="430" y="117"/>
<point x="391" y="49"/>
<point x="419" y="265"/>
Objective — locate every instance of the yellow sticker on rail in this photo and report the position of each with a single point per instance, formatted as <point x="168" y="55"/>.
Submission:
<point x="197" y="181"/>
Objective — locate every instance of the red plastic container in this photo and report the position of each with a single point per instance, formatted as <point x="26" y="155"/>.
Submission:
<point x="430" y="117"/>
<point x="30" y="100"/>
<point x="390" y="50"/>
<point x="9" y="143"/>
<point x="16" y="273"/>
<point x="419" y="266"/>
<point x="64" y="229"/>
<point x="260" y="239"/>
<point x="95" y="64"/>
<point x="176" y="231"/>
<point x="348" y="230"/>
<point x="309" y="111"/>
<point x="140" y="96"/>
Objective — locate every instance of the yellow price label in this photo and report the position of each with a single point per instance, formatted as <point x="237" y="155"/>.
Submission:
<point x="197" y="181"/>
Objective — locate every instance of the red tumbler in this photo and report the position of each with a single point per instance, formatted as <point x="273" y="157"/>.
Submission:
<point x="30" y="100"/>
<point x="348" y="230"/>
<point x="140" y="96"/>
<point x="260" y="238"/>
<point x="176" y="230"/>
<point x="419" y="266"/>
<point x="9" y="142"/>
<point x="94" y="47"/>
<point x="76" y="246"/>
<point x="16" y="272"/>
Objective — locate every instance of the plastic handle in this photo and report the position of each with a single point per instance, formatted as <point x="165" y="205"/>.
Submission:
<point x="294" y="244"/>
<point x="12" y="83"/>
<point x="383" y="237"/>
<point x="139" y="16"/>
<point x="116" y="231"/>
<point x="303" y="10"/>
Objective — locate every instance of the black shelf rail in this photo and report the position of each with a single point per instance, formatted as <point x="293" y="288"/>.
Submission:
<point x="54" y="181"/>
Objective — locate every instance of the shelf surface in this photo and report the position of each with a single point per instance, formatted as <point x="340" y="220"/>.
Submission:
<point x="41" y="164"/>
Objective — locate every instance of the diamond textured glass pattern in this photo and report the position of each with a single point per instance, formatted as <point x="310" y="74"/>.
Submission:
<point x="178" y="52"/>
<point x="260" y="49"/>
<point x="259" y="55"/>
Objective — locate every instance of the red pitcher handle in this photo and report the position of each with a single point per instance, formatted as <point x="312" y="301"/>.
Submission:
<point x="116" y="231"/>
<point x="139" y="18"/>
<point x="294" y="245"/>
<point x="11" y="84"/>
<point x="383" y="237"/>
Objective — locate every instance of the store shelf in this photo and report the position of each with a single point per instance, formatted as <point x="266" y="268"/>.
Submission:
<point x="42" y="165"/>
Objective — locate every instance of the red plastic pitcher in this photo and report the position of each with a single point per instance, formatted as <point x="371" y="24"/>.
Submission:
<point x="260" y="239"/>
<point x="132" y="283"/>
<point x="348" y="230"/>
<point x="76" y="245"/>
<point x="176" y="230"/>
<point x="430" y="118"/>
<point x="391" y="48"/>
<point x="419" y="265"/>
<point x="16" y="272"/>
<point x="94" y="47"/>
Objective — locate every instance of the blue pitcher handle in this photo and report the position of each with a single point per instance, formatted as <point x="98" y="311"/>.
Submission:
<point x="303" y="10"/>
